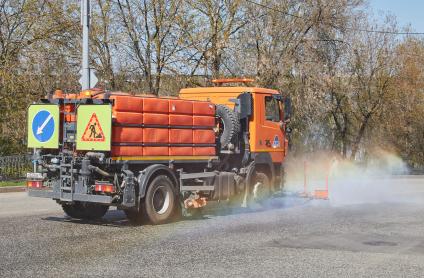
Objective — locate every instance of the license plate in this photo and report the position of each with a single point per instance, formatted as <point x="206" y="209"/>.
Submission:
<point x="34" y="176"/>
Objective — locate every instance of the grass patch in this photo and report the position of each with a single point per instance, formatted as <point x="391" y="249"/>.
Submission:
<point x="12" y="183"/>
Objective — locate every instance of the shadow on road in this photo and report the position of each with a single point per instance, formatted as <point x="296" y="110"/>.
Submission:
<point x="280" y="201"/>
<point x="117" y="218"/>
<point x="113" y="218"/>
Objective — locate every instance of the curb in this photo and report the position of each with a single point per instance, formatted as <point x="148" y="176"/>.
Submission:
<point x="10" y="189"/>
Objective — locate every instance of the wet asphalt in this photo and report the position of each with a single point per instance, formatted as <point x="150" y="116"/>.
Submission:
<point x="291" y="237"/>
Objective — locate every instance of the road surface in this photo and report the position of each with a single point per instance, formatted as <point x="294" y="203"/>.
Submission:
<point x="292" y="237"/>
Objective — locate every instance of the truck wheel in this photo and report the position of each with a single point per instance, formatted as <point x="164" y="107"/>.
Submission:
<point x="229" y="124"/>
<point x="261" y="187"/>
<point x="160" y="202"/>
<point x="282" y="178"/>
<point x="86" y="211"/>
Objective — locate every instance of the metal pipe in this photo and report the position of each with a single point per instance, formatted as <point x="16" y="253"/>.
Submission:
<point x="99" y="156"/>
<point x="305" y="173"/>
<point x="85" y="21"/>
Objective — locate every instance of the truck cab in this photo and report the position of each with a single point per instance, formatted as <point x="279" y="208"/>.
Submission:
<point x="264" y="115"/>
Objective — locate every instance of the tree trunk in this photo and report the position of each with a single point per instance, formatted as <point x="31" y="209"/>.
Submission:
<point x="359" y="136"/>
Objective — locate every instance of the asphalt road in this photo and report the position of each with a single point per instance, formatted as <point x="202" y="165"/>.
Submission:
<point x="291" y="238"/>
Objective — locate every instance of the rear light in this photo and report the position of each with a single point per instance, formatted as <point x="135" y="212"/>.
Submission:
<point x="69" y="112"/>
<point x="104" y="187"/>
<point x="35" y="184"/>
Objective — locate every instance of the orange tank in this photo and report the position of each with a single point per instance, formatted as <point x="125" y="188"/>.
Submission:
<point x="127" y="104"/>
<point x="151" y="126"/>
<point x="127" y="117"/>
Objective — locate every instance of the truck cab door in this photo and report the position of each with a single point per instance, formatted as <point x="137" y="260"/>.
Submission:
<point x="270" y="133"/>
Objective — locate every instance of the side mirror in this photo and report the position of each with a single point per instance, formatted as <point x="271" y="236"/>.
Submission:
<point x="287" y="109"/>
<point x="244" y="105"/>
<point x="288" y="130"/>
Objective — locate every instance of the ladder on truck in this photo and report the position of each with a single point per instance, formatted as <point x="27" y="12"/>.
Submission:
<point x="66" y="182"/>
<point x="67" y="168"/>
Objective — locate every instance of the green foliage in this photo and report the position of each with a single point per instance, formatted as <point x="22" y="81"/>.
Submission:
<point x="12" y="183"/>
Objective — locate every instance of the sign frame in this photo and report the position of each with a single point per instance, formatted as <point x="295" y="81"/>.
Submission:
<point x="103" y="114"/>
<point x="32" y="111"/>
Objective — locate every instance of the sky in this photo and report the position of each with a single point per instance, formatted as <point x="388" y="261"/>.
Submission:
<point x="406" y="11"/>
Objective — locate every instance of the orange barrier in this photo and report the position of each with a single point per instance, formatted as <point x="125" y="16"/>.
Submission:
<point x="318" y="193"/>
<point x="323" y="193"/>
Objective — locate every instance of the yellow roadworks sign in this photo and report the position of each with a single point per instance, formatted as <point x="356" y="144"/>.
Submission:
<point x="94" y="127"/>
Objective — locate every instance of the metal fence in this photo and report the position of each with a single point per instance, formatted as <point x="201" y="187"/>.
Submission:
<point x="14" y="167"/>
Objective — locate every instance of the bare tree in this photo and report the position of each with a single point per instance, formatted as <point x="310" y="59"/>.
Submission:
<point x="105" y="38"/>
<point x="373" y="64"/>
<point x="32" y="36"/>
<point x="209" y="32"/>
<point x="152" y="36"/>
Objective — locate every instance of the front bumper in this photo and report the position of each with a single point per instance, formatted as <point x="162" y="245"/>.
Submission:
<point x="67" y="197"/>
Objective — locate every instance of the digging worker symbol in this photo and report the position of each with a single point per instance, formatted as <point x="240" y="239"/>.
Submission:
<point x="93" y="132"/>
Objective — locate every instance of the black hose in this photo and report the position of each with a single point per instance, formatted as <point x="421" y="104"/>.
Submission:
<point x="99" y="171"/>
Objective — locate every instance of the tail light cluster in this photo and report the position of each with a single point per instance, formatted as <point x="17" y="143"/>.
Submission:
<point x="35" y="184"/>
<point x="104" y="187"/>
<point x="35" y="180"/>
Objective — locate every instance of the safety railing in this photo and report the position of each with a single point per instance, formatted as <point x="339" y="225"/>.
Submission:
<point x="14" y="167"/>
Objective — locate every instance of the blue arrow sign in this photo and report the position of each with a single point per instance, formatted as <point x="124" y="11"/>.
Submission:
<point x="43" y="126"/>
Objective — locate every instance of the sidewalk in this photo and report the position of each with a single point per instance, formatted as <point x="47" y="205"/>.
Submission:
<point x="8" y="189"/>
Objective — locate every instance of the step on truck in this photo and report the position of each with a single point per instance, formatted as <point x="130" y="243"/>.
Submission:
<point x="157" y="158"/>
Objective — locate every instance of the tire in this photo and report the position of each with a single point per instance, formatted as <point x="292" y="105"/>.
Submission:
<point x="229" y="125"/>
<point x="261" y="187"/>
<point x="257" y="190"/>
<point x="237" y="200"/>
<point x="85" y="211"/>
<point x="282" y="178"/>
<point x="160" y="202"/>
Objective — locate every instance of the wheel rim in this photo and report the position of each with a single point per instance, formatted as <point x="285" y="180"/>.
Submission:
<point x="161" y="200"/>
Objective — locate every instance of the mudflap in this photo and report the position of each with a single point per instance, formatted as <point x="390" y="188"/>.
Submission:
<point x="129" y="189"/>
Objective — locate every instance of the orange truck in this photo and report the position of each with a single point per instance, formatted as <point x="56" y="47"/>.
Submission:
<point x="156" y="158"/>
